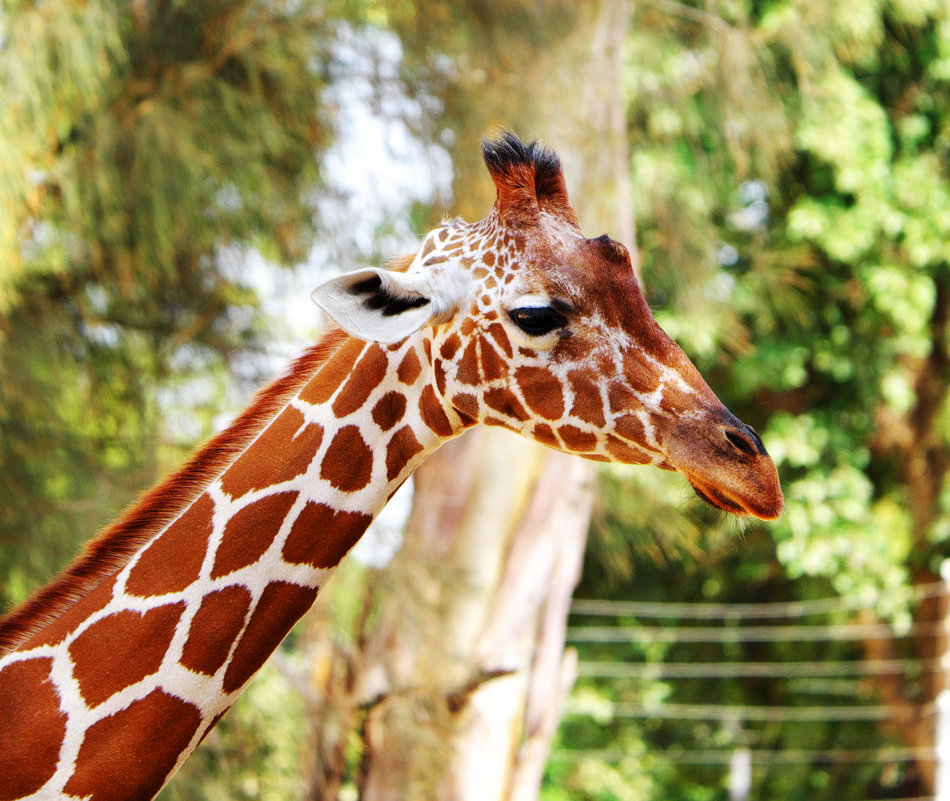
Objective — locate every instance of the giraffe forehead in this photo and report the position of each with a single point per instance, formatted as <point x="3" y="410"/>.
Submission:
<point x="546" y="262"/>
<point x="594" y="275"/>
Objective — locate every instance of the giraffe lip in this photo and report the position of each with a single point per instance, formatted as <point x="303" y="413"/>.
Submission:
<point x="764" y="506"/>
<point x="719" y="501"/>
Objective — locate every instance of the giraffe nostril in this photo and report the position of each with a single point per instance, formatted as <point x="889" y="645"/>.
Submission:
<point x="742" y="442"/>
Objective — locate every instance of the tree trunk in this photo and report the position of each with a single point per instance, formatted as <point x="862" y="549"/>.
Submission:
<point x="470" y="640"/>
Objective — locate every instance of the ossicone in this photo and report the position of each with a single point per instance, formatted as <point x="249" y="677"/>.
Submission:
<point x="528" y="179"/>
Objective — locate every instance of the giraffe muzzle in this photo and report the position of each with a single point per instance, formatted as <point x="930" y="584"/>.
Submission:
<point x="727" y="465"/>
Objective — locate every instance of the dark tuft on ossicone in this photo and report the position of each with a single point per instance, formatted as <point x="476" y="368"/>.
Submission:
<point x="508" y="153"/>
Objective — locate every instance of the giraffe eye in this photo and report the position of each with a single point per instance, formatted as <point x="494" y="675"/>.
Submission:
<point x="537" y="320"/>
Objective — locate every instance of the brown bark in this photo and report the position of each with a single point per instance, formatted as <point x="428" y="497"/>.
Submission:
<point x="471" y="637"/>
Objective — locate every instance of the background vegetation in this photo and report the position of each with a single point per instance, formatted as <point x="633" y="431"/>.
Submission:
<point x="783" y="166"/>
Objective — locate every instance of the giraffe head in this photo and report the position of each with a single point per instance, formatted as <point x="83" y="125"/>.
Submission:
<point x="532" y="326"/>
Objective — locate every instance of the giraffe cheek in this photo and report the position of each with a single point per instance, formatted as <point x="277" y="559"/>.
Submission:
<point x="466" y="405"/>
<point x="497" y="332"/>
<point x="467" y="370"/>
<point x="542" y="392"/>
<point x="639" y="375"/>
<point x="587" y="404"/>
<point x="546" y="436"/>
<point x="577" y="440"/>
<point x="506" y="402"/>
<point x="450" y="347"/>
<point x="631" y="429"/>
<point x="494" y="367"/>
<point x="622" y="452"/>
<point x="621" y="399"/>
<point x="676" y="402"/>
<point x="440" y="378"/>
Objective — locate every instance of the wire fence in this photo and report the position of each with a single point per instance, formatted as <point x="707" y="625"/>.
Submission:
<point x="745" y="634"/>
<point x="733" y="626"/>
<point x="762" y="670"/>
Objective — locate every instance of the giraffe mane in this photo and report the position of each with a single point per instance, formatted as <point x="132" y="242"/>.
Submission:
<point x="157" y="508"/>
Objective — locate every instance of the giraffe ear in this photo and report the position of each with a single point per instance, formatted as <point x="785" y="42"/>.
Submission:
<point x="382" y="306"/>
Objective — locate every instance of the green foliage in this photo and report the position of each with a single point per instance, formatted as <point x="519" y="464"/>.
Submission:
<point x="603" y="753"/>
<point x="793" y="202"/>
<point x="794" y="221"/>
<point x="165" y="131"/>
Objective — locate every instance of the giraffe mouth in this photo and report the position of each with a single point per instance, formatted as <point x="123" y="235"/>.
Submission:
<point x="719" y="501"/>
<point x="763" y="505"/>
<point x="725" y="463"/>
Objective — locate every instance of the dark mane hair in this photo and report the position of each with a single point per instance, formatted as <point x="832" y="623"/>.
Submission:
<point x="160" y="506"/>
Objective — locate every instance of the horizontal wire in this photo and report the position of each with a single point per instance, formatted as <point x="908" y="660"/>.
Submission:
<point x="757" y="714"/>
<point x="748" y="634"/>
<point x="875" y="756"/>
<point x="777" y="670"/>
<point x="713" y="611"/>
<point x="740" y="634"/>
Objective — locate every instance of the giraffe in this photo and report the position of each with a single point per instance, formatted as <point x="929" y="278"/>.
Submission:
<point x="112" y="674"/>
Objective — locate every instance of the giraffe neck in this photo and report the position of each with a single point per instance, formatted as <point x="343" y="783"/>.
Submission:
<point x="170" y="636"/>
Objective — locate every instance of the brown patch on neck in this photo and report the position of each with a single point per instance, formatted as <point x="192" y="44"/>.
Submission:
<point x="33" y="727"/>
<point x="132" y="731"/>
<point x="159" y="507"/>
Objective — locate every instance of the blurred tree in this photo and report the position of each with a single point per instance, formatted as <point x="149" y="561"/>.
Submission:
<point x="143" y="145"/>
